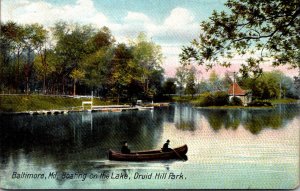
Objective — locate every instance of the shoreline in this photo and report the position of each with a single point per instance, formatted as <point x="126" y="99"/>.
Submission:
<point x="102" y="108"/>
<point x="236" y="108"/>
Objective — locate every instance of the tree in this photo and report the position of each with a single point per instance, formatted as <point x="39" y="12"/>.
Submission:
<point x="215" y="81"/>
<point x="97" y="67"/>
<point x="122" y="68"/>
<point x="169" y="86"/>
<point x="13" y="43"/>
<point x="269" y="28"/>
<point x="190" y="82"/>
<point x="102" y="38"/>
<point x="204" y="87"/>
<point x="155" y="83"/>
<point x="148" y="56"/>
<point x="73" y="44"/>
<point x="97" y="62"/>
<point x="45" y="67"/>
<point x="78" y="53"/>
<point x="35" y="37"/>
<point x="181" y="76"/>
<point x="297" y="87"/>
<point x="270" y="85"/>
<point x="227" y="81"/>
<point x="76" y="75"/>
<point x="267" y="86"/>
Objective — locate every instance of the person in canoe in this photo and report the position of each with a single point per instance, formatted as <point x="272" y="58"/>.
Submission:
<point x="166" y="147"/>
<point x="125" y="149"/>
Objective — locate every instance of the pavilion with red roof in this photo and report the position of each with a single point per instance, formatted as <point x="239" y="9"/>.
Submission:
<point x="236" y="91"/>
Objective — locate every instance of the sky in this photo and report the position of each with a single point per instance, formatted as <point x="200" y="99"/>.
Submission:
<point x="169" y="23"/>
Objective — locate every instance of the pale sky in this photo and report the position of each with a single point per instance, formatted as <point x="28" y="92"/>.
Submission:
<point x="169" y="23"/>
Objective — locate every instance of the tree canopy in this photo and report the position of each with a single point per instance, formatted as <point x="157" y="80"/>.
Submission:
<point x="267" y="29"/>
<point x="79" y="56"/>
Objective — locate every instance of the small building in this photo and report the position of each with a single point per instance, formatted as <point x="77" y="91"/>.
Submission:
<point x="139" y="102"/>
<point x="236" y="91"/>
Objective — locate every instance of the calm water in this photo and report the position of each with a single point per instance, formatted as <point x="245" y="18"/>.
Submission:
<point x="227" y="148"/>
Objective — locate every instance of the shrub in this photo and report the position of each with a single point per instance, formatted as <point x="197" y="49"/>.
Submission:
<point x="221" y="98"/>
<point x="205" y="99"/>
<point x="209" y="99"/>
<point x="236" y="101"/>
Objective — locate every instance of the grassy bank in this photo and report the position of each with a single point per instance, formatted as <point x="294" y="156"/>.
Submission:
<point x="17" y="103"/>
<point x="283" y="101"/>
<point x="237" y="107"/>
<point x="201" y="100"/>
<point x="183" y="98"/>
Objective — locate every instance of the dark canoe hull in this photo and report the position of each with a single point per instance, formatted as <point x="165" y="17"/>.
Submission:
<point x="149" y="155"/>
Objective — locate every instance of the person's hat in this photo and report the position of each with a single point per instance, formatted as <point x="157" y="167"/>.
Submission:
<point x="168" y="140"/>
<point x="124" y="142"/>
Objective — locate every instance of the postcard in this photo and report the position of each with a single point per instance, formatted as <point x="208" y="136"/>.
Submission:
<point x="149" y="94"/>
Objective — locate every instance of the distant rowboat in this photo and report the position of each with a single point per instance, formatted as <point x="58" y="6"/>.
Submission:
<point x="176" y="153"/>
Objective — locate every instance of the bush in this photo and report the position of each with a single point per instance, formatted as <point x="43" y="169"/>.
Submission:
<point x="221" y="98"/>
<point x="209" y="99"/>
<point x="259" y="103"/>
<point x="236" y="101"/>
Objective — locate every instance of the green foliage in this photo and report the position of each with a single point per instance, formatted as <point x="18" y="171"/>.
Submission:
<point x="169" y="86"/>
<point x="80" y="53"/>
<point x="72" y="44"/>
<point x="148" y="59"/>
<point x="265" y="28"/>
<point x="267" y="86"/>
<point x="221" y="98"/>
<point x="204" y="86"/>
<point x="183" y="99"/>
<point x="185" y="78"/>
<point x="236" y="101"/>
<point x="17" y="45"/>
<point x="283" y="101"/>
<point x="181" y="75"/>
<point x="77" y="74"/>
<point x="190" y="84"/>
<point x="212" y="99"/>
<point x="270" y="85"/>
<point x="206" y="99"/>
<point x="103" y="38"/>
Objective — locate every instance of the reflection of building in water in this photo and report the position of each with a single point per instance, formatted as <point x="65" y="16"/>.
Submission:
<point x="87" y="117"/>
<point x="184" y="118"/>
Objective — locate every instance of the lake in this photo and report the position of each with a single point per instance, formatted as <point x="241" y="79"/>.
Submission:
<point x="233" y="148"/>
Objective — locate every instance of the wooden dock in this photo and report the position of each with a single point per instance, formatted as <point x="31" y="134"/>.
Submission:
<point x="102" y="108"/>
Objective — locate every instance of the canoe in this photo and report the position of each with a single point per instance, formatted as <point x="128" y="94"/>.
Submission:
<point x="149" y="155"/>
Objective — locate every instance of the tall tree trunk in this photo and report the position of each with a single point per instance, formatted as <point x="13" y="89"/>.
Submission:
<point x="74" y="88"/>
<point x="63" y="85"/>
<point x="44" y="84"/>
<point x="17" y="72"/>
<point x="44" y="63"/>
<point x="147" y="85"/>
<point x="27" y="85"/>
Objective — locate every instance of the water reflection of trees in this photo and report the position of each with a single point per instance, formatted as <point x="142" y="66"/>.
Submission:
<point x="185" y="117"/>
<point x="254" y="120"/>
<point x="65" y="141"/>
